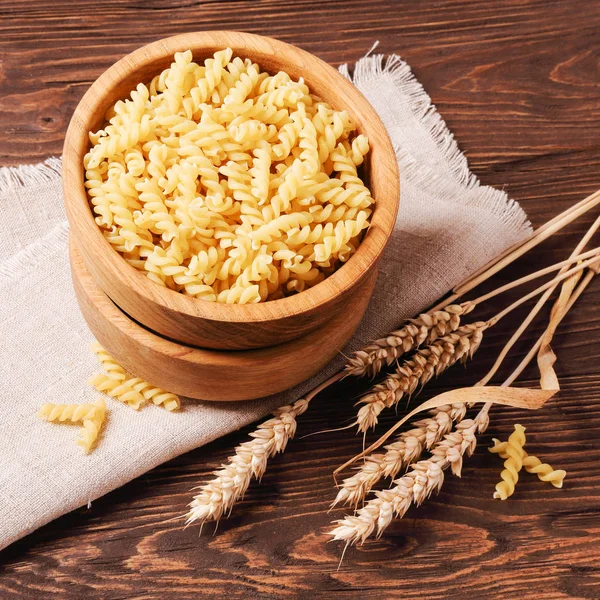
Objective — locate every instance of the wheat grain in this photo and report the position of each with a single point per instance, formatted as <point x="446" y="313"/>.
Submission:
<point x="416" y="371"/>
<point x="399" y="454"/>
<point x="217" y="497"/>
<point x="424" y="329"/>
<point x="424" y="478"/>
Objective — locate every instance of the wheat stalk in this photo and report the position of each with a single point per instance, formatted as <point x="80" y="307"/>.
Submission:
<point x="416" y="371"/>
<point x="427" y="476"/>
<point x="399" y="454"/>
<point x="424" y="478"/>
<point x="424" y="329"/>
<point x="511" y="254"/>
<point x="217" y="497"/>
<point x="434" y="324"/>
<point x="446" y="351"/>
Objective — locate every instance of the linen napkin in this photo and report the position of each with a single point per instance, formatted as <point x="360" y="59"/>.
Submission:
<point x="448" y="226"/>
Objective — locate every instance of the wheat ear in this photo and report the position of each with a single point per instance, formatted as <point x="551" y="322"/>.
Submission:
<point x="217" y="497"/>
<point x="400" y="454"/>
<point x="434" y="324"/>
<point x="427" y="476"/>
<point x="424" y="478"/>
<point x="420" y="368"/>
<point x="424" y="329"/>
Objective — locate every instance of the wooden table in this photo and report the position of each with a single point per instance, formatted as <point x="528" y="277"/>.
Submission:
<point x="518" y="84"/>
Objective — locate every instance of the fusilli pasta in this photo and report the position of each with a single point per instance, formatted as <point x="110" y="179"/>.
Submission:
<point x="133" y="391"/>
<point x="512" y="465"/>
<point x="91" y="416"/>
<point x="72" y="413"/>
<point x="91" y="427"/>
<point x="532" y="464"/>
<point x="228" y="184"/>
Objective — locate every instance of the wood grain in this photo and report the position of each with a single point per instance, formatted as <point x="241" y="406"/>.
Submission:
<point x="213" y="324"/>
<point x="199" y="372"/>
<point x="517" y="82"/>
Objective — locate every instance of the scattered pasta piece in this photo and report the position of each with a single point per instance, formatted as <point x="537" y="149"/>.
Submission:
<point x="512" y="465"/>
<point x="109" y="364"/>
<point x="158" y="396"/>
<point x="133" y="391"/>
<point x="90" y="415"/>
<point x="544" y="471"/>
<point x="121" y="390"/>
<point x="72" y="413"/>
<point x="228" y="184"/>
<point x="91" y="427"/>
<point x="532" y="464"/>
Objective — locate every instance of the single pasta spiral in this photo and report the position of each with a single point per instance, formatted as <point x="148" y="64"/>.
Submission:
<point x="109" y="364"/>
<point x="344" y="231"/>
<point x="331" y="126"/>
<point x="91" y="427"/>
<point x="512" y="465"/>
<point x="544" y="471"/>
<point x="121" y="390"/>
<point x="156" y="395"/>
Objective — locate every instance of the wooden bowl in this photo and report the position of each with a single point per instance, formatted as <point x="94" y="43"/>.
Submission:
<point x="212" y="374"/>
<point x="208" y="324"/>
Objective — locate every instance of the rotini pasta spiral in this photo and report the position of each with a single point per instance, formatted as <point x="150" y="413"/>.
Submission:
<point x="132" y="390"/>
<point x="532" y="464"/>
<point x="91" y="427"/>
<point x="288" y="136"/>
<point x="343" y="232"/>
<point x="544" y="471"/>
<point x="91" y="416"/>
<point x="121" y="390"/>
<point x="359" y="149"/>
<point x="109" y="364"/>
<point x="512" y="464"/>
<point x="72" y="413"/>
<point x="156" y="395"/>
<point x="228" y="184"/>
<point x="331" y="126"/>
<point x="260" y="172"/>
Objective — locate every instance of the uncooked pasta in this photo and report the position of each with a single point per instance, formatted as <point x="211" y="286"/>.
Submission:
<point x="227" y="183"/>
<point x="512" y="465"/>
<point x="532" y="464"/>
<point x="91" y="417"/>
<point x="91" y="427"/>
<point x="133" y="391"/>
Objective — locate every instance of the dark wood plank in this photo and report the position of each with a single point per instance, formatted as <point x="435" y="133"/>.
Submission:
<point x="518" y="83"/>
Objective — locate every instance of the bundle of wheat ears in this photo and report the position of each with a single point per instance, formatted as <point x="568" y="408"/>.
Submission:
<point x="408" y="358"/>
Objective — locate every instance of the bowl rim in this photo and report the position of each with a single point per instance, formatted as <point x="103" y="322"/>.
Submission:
<point x="86" y="230"/>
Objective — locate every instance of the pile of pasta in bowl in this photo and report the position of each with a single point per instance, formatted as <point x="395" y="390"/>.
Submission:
<point x="227" y="183"/>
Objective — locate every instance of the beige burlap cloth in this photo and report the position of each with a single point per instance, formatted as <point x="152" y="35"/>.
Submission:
<point x="448" y="226"/>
